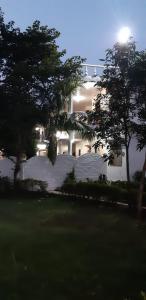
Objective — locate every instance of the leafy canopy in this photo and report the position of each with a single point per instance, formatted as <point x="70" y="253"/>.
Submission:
<point x="34" y="82"/>
<point x="115" y="104"/>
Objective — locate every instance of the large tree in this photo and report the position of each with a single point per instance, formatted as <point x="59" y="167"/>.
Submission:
<point x="138" y="82"/>
<point x="115" y="106"/>
<point x="34" y="84"/>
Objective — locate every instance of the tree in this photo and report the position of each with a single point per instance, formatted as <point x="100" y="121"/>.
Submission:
<point x="138" y="82"/>
<point x="34" y="84"/>
<point x="115" y="106"/>
<point x="66" y="122"/>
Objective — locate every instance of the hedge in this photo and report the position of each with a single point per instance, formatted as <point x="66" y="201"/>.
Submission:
<point x="111" y="192"/>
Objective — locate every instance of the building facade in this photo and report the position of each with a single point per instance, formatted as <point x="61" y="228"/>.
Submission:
<point x="81" y="101"/>
<point x="71" y="143"/>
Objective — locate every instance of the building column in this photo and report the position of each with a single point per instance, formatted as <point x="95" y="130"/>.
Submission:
<point x="70" y="105"/>
<point x="59" y="147"/>
<point x="70" y="147"/>
<point x="70" y="142"/>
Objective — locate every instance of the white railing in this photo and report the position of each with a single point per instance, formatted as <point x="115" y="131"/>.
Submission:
<point x="91" y="69"/>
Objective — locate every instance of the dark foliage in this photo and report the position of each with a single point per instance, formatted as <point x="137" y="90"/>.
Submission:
<point x="34" y="85"/>
<point x="110" y="193"/>
<point x="114" y="106"/>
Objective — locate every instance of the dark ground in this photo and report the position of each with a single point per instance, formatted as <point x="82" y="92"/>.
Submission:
<point x="54" y="249"/>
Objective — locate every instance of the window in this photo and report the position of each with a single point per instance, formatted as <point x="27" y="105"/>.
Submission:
<point x="116" y="157"/>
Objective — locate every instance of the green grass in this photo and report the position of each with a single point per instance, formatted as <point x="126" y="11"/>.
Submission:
<point x="56" y="250"/>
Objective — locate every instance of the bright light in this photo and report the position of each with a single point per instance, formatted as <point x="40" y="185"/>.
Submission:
<point x="88" y="85"/>
<point x="58" y="134"/>
<point x="124" y="35"/>
<point x="37" y="128"/>
<point x="78" y="97"/>
<point x="62" y="135"/>
<point x="41" y="146"/>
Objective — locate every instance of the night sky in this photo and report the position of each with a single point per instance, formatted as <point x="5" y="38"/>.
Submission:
<point x="88" y="27"/>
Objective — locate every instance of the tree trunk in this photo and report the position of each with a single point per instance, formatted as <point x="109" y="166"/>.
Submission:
<point x="52" y="148"/>
<point x="17" y="167"/>
<point x="140" y="193"/>
<point x="127" y="163"/>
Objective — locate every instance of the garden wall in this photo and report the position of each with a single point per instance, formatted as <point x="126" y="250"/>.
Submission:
<point x="7" y="167"/>
<point x="86" y="167"/>
<point x="115" y="173"/>
<point x="40" y="168"/>
<point x="89" y="166"/>
<point x="136" y="159"/>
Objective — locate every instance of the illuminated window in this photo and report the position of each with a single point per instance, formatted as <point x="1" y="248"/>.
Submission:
<point x="116" y="157"/>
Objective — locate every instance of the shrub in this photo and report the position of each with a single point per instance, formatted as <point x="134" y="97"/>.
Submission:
<point x="137" y="176"/>
<point x="70" y="177"/>
<point x="113" y="192"/>
<point x="126" y="185"/>
<point x="142" y="296"/>
<point x="5" y="185"/>
<point x="96" y="190"/>
<point x="31" y="185"/>
<point x="102" y="178"/>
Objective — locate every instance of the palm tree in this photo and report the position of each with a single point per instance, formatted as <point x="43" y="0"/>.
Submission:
<point x="66" y="122"/>
<point x="59" y="120"/>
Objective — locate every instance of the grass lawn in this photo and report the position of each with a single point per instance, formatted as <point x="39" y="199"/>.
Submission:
<point x="56" y="250"/>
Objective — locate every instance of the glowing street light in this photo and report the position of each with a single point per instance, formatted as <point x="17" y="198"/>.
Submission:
<point x="124" y="35"/>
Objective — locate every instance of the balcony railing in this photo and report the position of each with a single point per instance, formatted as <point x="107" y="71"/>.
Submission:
<point x="92" y="72"/>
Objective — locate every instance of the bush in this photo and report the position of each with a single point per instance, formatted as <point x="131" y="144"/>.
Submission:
<point x="96" y="190"/>
<point x="137" y="176"/>
<point x="126" y="185"/>
<point x="31" y="185"/>
<point x="70" y="177"/>
<point x="113" y="193"/>
<point x="6" y="185"/>
<point x="27" y="186"/>
<point x="102" y="178"/>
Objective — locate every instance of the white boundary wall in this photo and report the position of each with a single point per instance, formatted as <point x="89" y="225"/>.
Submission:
<point x="41" y="168"/>
<point x="115" y="173"/>
<point x="87" y="167"/>
<point x="136" y="158"/>
<point x="7" y="168"/>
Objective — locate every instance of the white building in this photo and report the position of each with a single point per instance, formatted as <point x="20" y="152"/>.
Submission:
<point x="75" y="153"/>
<point x="80" y="101"/>
<point x="71" y="143"/>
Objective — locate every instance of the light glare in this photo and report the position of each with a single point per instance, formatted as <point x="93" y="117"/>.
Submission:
<point x="41" y="146"/>
<point x="124" y="35"/>
<point x="78" y="97"/>
<point x="88" y="85"/>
